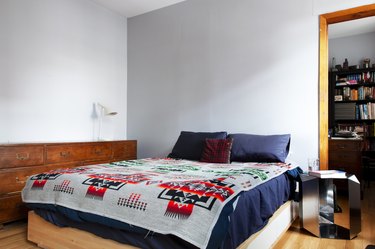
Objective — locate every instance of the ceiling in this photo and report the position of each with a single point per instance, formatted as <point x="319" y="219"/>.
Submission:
<point x="350" y="28"/>
<point x="130" y="8"/>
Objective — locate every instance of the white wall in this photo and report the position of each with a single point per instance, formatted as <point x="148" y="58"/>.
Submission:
<point x="56" y="59"/>
<point x="240" y="66"/>
<point x="354" y="48"/>
<point x="324" y="6"/>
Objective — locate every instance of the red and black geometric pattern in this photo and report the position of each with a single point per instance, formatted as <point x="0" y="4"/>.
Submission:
<point x="99" y="183"/>
<point x="41" y="180"/>
<point x="96" y="193"/>
<point x="183" y="196"/>
<point x="132" y="202"/>
<point x="64" y="187"/>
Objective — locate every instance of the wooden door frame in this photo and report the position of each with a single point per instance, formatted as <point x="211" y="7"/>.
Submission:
<point x="324" y="21"/>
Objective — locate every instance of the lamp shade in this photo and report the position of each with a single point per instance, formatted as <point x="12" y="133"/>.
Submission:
<point x="105" y="111"/>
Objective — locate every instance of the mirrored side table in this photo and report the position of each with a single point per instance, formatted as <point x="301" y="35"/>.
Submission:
<point x="319" y="201"/>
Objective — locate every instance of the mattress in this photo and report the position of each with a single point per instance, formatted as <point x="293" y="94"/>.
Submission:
<point x="243" y="214"/>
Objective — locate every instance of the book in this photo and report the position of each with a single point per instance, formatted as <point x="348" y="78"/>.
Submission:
<point x="328" y="174"/>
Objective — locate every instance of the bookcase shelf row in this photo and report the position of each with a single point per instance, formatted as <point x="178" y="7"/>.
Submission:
<point x="355" y="78"/>
<point x="365" y="129"/>
<point x="360" y="93"/>
<point x="355" y="111"/>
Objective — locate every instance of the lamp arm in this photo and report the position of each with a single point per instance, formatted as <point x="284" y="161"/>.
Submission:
<point x="101" y="112"/>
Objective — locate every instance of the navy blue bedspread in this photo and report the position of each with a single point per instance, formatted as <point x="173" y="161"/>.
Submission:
<point x="252" y="211"/>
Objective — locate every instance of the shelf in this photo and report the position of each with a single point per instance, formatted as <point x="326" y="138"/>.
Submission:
<point x="361" y="70"/>
<point x="360" y="101"/>
<point x="355" y="120"/>
<point x="368" y="84"/>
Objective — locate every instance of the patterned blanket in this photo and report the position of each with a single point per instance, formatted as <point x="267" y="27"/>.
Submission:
<point x="167" y="196"/>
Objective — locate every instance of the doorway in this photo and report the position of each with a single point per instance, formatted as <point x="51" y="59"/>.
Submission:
<point x="324" y="21"/>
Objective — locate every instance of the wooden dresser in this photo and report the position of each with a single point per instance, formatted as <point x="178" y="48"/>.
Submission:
<point x="346" y="155"/>
<point x="19" y="161"/>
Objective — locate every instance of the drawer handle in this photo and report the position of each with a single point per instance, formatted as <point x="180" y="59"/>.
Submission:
<point x="21" y="182"/>
<point x="22" y="156"/>
<point x="98" y="152"/>
<point x="65" y="153"/>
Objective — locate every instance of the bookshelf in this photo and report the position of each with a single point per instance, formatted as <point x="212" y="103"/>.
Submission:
<point x="352" y="104"/>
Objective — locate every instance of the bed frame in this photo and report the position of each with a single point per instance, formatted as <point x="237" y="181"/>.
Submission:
<point x="277" y="225"/>
<point x="46" y="235"/>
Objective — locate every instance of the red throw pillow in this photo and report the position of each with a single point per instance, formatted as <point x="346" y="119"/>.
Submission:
<point x="217" y="150"/>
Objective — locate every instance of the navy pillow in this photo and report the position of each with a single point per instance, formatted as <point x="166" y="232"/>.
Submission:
<point x="189" y="144"/>
<point x="259" y="148"/>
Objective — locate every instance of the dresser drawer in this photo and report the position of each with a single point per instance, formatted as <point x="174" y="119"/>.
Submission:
<point x="350" y="159"/>
<point x="345" y="167"/>
<point x="12" y="208"/>
<point x="345" y="145"/>
<point x="20" y="156"/>
<point x="101" y="151"/>
<point x="124" y="150"/>
<point x="66" y="153"/>
<point x="13" y="180"/>
<point x="346" y="155"/>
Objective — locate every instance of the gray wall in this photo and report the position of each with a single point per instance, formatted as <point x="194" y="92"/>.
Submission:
<point x="212" y="65"/>
<point x="354" y="48"/>
<point x="56" y="59"/>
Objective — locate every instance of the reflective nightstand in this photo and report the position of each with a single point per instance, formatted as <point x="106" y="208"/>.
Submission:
<point x="318" y="203"/>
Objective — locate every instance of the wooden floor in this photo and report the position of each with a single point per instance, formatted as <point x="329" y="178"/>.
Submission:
<point x="13" y="235"/>
<point x="295" y="238"/>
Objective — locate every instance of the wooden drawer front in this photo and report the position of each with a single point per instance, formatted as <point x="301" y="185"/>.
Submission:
<point x="12" y="208"/>
<point x="102" y="151"/>
<point x="66" y="153"/>
<point x="125" y="150"/>
<point x="345" y="167"/>
<point x="13" y="180"/>
<point x="345" y="145"/>
<point x="20" y="156"/>
<point x="353" y="158"/>
<point x="349" y="162"/>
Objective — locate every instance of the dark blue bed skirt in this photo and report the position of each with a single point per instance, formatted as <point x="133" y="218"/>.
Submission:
<point x="252" y="210"/>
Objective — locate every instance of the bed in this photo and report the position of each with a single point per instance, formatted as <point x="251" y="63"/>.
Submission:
<point x="173" y="202"/>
